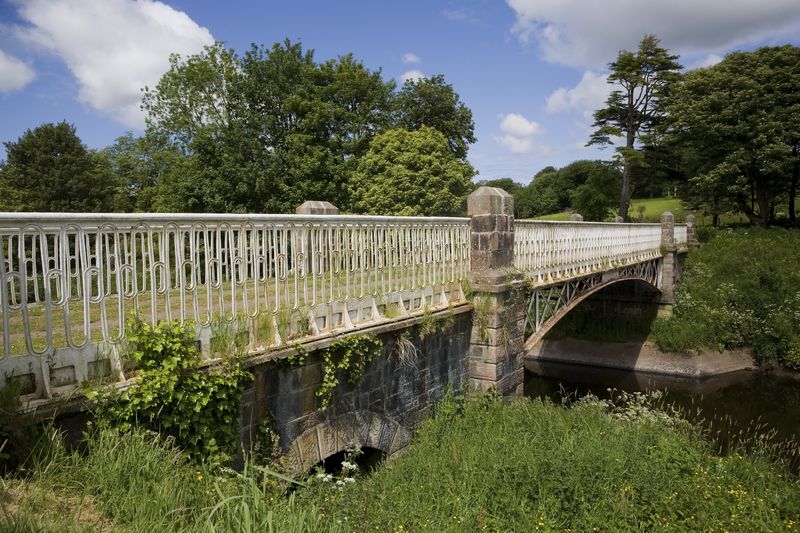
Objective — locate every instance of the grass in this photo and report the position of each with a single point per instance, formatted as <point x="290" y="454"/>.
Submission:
<point x="650" y="210"/>
<point x="480" y="464"/>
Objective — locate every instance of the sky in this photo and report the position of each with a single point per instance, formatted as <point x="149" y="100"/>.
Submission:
<point x="531" y="71"/>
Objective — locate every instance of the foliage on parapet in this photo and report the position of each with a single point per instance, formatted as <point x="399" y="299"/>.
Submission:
<point x="199" y="408"/>
<point x="346" y="357"/>
<point x="742" y="289"/>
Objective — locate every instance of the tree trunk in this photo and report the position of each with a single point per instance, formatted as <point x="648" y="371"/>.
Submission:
<point x="625" y="196"/>
<point x="763" y="204"/>
<point x="793" y="186"/>
<point x="715" y="219"/>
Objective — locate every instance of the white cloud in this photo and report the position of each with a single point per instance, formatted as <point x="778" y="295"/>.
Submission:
<point x="410" y="58"/>
<point x="709" y="61"/>
<point x="519" y="133"/>
<point x="589" y="94"/>
<point x="113" y="47"/>
<point x="518" y="126"/>
<point x="413" y="75"/>
<point x="516" y="145"/>
<point x="584" y="33"/>
<point x="14" y="74"/>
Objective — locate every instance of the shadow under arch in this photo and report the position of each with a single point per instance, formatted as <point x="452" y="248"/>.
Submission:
<point x="573" y="299"/>
<point x="365" y="429"/>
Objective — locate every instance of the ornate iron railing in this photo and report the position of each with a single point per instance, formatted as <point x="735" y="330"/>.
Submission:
<point x="547" y="251"/>
<point x="681" y="236"/>
<point x="68" y="282"/>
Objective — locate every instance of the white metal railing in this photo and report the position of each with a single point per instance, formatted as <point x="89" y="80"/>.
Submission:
<point x="681" y="236"/>
<point x="549" y="250"/>
<point x="70" y="280"/>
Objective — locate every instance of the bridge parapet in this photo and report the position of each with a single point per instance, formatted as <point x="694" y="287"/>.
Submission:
<point x="550" y="251"/>
<point x="68" y="282"/>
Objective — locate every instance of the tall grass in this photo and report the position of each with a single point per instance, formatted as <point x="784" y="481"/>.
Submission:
<point x="534" y="465"/>
<point x="479" y="464"/>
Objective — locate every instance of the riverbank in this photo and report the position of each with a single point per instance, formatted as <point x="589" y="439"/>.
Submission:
<point x="639" y="356"/>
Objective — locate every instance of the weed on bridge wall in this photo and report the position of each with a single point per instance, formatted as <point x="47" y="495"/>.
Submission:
<point x="199" y="408"/>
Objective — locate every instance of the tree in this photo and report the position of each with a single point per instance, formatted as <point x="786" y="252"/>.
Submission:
<point x="432" y="102"/>
<point x="597" y="196"/>
<point x="269" y="130"/>
<point x="635" y="108"/>
<point x="739" y="125"/>
<point x="49" y="169"/>
<point x="411" y="173"/>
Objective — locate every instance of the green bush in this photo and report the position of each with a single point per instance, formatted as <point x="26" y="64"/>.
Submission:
<point x="742" y="289"/>
<point x="198" y="407"/>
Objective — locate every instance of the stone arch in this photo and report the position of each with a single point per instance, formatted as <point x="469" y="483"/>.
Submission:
<point x="579" y="297"/>
<point x="363" y="428"/>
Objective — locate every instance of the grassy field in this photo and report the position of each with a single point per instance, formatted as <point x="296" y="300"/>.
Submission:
<point x="650" y="209"/>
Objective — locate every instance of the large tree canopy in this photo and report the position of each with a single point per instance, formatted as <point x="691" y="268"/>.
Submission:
<point x="634" y="108"/>
<point x="411" y="173"/>
<point x="738" y="123"/>
<point x="432" y="102"/>
<point x="49" y="169"/>
<point x="270" y="129"/>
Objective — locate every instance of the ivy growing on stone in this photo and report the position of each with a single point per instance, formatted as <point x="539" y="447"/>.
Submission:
<point x="346" y="357"/>
<point x="198" y="407"/>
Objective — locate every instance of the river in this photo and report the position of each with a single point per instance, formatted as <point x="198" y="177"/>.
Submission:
<point x="747" y="402"/>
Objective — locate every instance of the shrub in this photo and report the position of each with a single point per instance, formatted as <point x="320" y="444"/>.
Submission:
<point x="742" y="289"/>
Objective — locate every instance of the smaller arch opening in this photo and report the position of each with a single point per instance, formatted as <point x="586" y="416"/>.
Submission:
<point x="367" y="459"/>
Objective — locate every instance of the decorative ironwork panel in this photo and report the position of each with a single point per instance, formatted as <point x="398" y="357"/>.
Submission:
<point x="549" y="251"/>
<point x="547" y="303"/>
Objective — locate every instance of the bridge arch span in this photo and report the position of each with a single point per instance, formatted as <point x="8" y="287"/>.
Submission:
<point x="546" y="306"/>
<point x="366" y="429"/>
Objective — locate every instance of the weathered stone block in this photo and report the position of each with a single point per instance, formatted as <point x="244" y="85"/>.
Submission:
<point x="486" y="200"/>
<point x="308" y="446"/>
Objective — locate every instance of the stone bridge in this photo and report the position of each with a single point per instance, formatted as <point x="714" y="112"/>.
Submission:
<point x="491" y="285"/>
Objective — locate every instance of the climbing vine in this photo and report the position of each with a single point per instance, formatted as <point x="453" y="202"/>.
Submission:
<point x="198" y="407"/>
<point x="348" y="357"/>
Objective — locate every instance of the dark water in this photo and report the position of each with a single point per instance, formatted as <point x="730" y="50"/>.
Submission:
<point x="747" y="402"/>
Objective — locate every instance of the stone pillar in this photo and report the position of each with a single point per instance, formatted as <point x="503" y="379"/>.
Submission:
<point x="495" y="359"/>
<point x="300" y="238"/>
<point x="576" y="217"/>
<point x="691" y="233"/>
<point x="313" y="207"/>
<point x="669" y="253"/>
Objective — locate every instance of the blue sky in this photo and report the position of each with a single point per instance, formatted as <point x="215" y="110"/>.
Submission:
<point x="532" y="71"/>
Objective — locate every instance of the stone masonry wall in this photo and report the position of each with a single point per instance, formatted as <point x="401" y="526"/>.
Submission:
<point x="391" y="400"/>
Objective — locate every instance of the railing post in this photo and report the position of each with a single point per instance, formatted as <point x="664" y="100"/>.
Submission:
<point x="691" y="233"/>
<point x="495" y="359"/>
<point x="669" y="258"/>
<point x="301" y="237"/>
